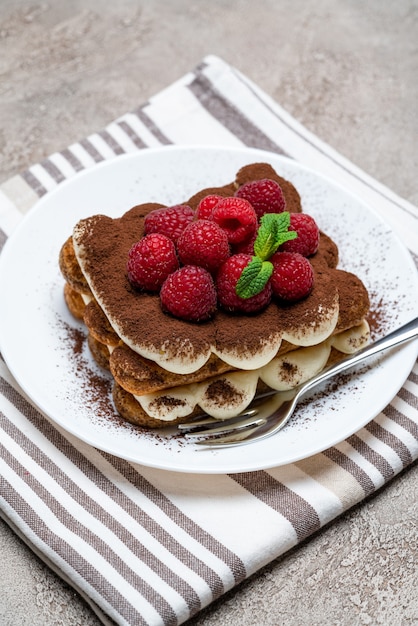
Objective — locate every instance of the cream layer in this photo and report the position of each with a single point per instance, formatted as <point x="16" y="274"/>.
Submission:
<point x="226" y="395"/>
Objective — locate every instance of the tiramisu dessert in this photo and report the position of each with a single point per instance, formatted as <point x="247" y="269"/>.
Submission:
<point x="197" y="307"/>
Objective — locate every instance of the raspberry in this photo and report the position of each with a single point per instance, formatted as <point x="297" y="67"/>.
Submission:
<point x="236" y="217"/>
<point x="292" y="277"/>
<point x="246" y="247"/>
<point x="150" y="261"/>
<point x="203" y="243"/>
<point x="226" y="282"/>
<point x="265" y="195"/>
<point x="170" y="221"/>
<point x="307" y="241"/>
<point x="206" y="206"/>
<point x="189" y="293"/>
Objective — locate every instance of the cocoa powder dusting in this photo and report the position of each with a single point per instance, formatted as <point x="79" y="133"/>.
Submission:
<point x="377" y="319"/>
<point x="77" y="339"/>
<point x="288" y="371"/>
<point x="221" y="393"/>
<point x="95" y="389"/>
<point x="166" y="402"/>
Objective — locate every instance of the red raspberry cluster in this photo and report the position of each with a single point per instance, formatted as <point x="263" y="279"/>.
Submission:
<point x="196" y="260"/>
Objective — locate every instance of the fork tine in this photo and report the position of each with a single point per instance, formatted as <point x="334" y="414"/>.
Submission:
<point x="205" y="421"/>
<point x="213" y="422"/>
<point x="231" y="438"/>
<point x="273" y="416"/>
<point x="276" y="412"/>
<point x="228" y="428"/>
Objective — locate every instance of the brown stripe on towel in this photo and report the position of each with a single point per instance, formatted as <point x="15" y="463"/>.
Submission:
<point x="129" y="131"/>
<point x="376" y="459"/>
<point x="280" y="498"/>
<point x="232" y="118"/>
<point x="401" y="419"/>
<point x="111" y="142"/>
<point x="72" y="159"/>
<point x="122" y="533"/>
<point x="390" y="440"/>
<point x="408" y="397"/>
<point x="91" y="150"/>
<point x="194" y="530"/>
<point x="34" y="183"/>
<point x="68" y="554"/>
<point x="53" y="170"/>
<point x="113" y="492"/>
<point x="351" y="466"/>
<point x="151" y="126"/>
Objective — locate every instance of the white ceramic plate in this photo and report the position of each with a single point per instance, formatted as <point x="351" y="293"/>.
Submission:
<point x="42" y="346"/>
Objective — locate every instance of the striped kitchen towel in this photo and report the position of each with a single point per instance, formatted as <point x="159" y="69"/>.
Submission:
<point x="147" y="546"/>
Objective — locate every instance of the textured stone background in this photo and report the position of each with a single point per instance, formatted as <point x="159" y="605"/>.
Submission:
<point x="348" y="70"/>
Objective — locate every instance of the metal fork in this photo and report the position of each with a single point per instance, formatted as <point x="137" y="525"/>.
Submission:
<point x="271" y="411"/>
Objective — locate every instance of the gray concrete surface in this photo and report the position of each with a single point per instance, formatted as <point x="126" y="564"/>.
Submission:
<point x="348" y="70"/>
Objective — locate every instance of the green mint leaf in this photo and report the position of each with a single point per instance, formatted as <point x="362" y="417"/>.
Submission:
<point x="273" y="231"/>
<point x="254" y="278"/>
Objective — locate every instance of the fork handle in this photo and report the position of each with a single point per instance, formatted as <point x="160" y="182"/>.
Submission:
<point x="401" y="335"/>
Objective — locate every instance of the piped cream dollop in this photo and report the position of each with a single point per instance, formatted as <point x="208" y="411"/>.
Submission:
<point x="228" y="394"/>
